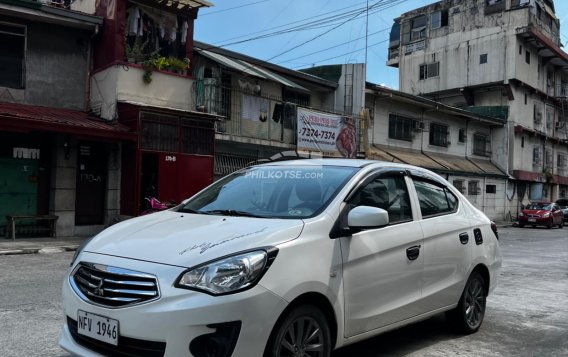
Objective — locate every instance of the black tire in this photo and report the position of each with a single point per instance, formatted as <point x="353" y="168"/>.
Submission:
<point x="561" y="224"/>
<point x="313" y="339"/>
<point x="521" y="225"/>
<point x="467" y="317"/>
<point x="549" y="224"/>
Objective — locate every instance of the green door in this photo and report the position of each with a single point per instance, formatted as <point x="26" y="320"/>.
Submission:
<point x="18" y="187"/>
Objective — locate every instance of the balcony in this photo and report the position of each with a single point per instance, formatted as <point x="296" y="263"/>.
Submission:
<point x="125" y="83"/>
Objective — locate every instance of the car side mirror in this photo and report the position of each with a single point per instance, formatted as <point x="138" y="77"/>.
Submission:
<point x="367" y="217"/>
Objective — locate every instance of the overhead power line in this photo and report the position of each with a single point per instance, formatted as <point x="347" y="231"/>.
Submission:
<point x="233" y="8"/>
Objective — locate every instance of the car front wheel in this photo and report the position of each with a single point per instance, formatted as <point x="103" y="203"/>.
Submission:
<point x="468" y="315"/>
<point x="304" y="332"/>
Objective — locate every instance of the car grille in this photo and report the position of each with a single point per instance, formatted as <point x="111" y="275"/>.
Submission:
<point x="113" y="287"/>
<point x="127" y="347"/>
<point x="533" y="216"/>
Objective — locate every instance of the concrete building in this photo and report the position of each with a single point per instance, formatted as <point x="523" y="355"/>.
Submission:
<point x="449" y="141"/>
<point x="56" y="159"/>
<point x="260" y="105"/>
<point x="501" y="58"/>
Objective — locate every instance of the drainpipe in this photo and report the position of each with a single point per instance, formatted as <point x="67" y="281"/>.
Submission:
<point x="87" y="92"/>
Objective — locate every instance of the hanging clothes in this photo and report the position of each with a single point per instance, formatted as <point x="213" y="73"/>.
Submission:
<point x="133" y="21"/>
<point x="184" y="28"/>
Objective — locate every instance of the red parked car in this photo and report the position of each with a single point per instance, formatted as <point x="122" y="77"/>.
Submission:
<point x="546" y="214"/>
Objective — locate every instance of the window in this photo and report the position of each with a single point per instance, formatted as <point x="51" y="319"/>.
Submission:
<point x="537" y="155"/>
<point x="527" y="57"/>
<point x="537" y="114"/>
<point x="526" y="98"/>
<point x="461" y="136"/>
<point x="400" y="127"/>
<point x="481" y="144"/>
<point x="388" y="193"/>
<point x="418" y="28"/>
<point x="520" y="49"/>
<point x="429" y="70"/>
<point x="473" y="188"/>
<point x="548" y="157"/>
<point x="439" y="19"/>
<point x="12" y="61"/>
<point x="522" y="141"/>
<point x="491" y="189"/>
<point x="562" y="161"/>
<point x="459" y="185"/>
<point x="197" y="136"/>
<point x="439" y="135"/>
<point x="483" y="58"/>
<point x="434" y="200"/>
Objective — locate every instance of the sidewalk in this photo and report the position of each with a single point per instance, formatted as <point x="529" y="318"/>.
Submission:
<point x="39" y="245"/>
<point x="67" y="244"/>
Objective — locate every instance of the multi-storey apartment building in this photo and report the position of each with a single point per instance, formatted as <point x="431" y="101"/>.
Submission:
<point x="501" y="58"/>
<point x="57" y="161"/>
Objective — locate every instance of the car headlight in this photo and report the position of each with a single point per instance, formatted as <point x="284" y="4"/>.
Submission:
<point x="546" y="215"/>
<point x="79" y="250"/>
<point x="227" y="275"/>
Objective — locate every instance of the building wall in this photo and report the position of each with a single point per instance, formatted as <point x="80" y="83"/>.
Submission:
<point x="55" y="66"/>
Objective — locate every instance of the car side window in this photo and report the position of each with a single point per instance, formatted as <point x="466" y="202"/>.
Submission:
<point x="434" y="200"/>
<point x="388" y="193"/>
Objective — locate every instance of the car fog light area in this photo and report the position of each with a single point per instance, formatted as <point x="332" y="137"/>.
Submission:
<point x="227" y="275"/>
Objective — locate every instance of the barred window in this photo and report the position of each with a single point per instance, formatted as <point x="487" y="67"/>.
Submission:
<point x="197" y="137"/>
<point x="459" y="185"/>
<point x="12" y="55"/>
<point x="473" y="188"/>
<point x="439" y="135"/>
<point x="400" y="127"/>
<point x="159" y="137"/>
<point x="481" y="144"/>
<point x="429" y="70"/>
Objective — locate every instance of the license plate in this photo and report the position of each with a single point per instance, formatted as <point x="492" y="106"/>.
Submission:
<point x="98" y="327"/>
<point x="532" y="219"/>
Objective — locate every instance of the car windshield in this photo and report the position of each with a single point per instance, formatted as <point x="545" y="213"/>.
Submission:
<point x="538" y="206"/>
<point x="272" y="191"/>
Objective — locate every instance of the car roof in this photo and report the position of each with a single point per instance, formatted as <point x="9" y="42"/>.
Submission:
<point x="343" y="162"/>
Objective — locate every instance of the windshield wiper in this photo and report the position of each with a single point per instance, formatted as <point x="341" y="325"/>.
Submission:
<point x="189" y="210"/>
<point x="231" y="212"/>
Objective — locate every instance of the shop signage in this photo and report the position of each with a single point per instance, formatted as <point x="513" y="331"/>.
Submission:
<point x="330" y="134"/>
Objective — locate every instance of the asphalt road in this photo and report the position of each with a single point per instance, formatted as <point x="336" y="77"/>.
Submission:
<point x="526" y="314"/>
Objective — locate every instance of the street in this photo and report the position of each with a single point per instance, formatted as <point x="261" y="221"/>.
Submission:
<point x="526" y="315"/>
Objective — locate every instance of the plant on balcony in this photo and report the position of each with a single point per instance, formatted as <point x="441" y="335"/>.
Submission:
<point x="160" y="63"/>
<point x="136" y="53"/>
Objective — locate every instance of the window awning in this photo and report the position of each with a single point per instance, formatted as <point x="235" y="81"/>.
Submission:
<point x="250" y="69"/>
<point x="435" y="161"/>
<point x="411" y="157"/>
<point x="26" y="118"/>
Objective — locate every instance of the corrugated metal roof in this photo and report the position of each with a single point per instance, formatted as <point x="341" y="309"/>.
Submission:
<point x="180" y="4"/>
<point x="454" y="163"/>
<point x="488" y="167"/>
<point x="30" y="117"/>
<point x="250" y="69"/>
<point x="412" y="157"/>
<point x="378" y="154"/>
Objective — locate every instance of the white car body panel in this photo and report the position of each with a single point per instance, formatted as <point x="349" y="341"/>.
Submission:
<point x="366" y="278"/>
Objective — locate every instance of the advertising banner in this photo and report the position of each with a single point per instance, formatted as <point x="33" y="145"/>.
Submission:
<point x="331" y="134"/>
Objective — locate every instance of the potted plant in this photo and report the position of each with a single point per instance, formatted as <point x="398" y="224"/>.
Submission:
<point x="136" y="52"/>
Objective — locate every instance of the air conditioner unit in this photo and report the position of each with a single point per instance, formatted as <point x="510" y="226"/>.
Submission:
<point x="559" y="125"/>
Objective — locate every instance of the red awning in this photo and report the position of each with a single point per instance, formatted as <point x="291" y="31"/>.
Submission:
<point x="26" y="118"/>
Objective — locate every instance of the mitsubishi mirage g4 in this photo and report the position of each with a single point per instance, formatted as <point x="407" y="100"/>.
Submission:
<point x="294" y="258"/>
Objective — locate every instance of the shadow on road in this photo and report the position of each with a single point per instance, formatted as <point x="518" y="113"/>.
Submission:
<point x="403" y="341"/>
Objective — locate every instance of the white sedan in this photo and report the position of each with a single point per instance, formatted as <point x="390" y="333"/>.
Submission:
<point x="292" y="258"/>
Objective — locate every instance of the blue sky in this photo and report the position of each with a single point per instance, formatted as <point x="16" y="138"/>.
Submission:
<point x="232" y="21"/>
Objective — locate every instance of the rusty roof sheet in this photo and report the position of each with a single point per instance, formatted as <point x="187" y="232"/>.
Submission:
<point x="454" y="163"/>
<point x="31" y="117"/>
<point x="411" y="157"/>
<point x="488" y="167"/>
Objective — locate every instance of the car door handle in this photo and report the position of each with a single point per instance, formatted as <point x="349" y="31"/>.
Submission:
<point x="413" y="252"/>
<point x="464" y="238"/>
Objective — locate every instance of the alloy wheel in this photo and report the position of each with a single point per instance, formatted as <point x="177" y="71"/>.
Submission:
<point x="303" y="338"/>
<point x="474" y="303"/>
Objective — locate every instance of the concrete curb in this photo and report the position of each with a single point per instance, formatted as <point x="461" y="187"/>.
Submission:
<point x="40" y="250"/>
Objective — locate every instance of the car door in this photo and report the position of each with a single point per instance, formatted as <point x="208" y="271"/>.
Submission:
<point x="382" y="267"/>
<point x="448" y="238"/>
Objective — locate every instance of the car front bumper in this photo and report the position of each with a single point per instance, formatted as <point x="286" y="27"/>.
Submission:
<point x="176" y="319"/>
<point x="535" y="221"/>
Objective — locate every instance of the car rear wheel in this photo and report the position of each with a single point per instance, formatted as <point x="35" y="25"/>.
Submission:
<point x="561" y="224"/>
<point x="468" y="315"/>
<point x="521" y="225"/>
<point x="304" y="332"/>
<point x="550" y="223"/>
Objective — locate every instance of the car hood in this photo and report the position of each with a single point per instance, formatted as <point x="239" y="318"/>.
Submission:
<point x="184" y="239"/>
<point x="539" y="212"/>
